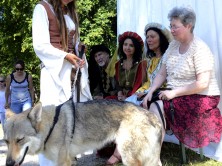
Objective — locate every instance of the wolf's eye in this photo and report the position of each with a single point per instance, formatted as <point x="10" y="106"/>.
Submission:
<point x="20" y="140"/>
<point x="6" y="141"/>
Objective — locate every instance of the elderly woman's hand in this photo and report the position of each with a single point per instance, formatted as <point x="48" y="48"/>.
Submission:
<point x="167" y="95"/>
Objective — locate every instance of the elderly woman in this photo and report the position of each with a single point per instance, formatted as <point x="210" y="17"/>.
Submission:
<point x="190" y="108"/>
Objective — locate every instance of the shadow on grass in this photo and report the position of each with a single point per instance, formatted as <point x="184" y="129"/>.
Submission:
<point x="171" y="156"/>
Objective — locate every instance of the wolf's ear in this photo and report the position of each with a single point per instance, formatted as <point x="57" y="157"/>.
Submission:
<point x="9" y="113"/>
<point x="36" y="113"/>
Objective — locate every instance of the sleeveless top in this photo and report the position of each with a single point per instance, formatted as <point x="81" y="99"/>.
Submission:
<point x="19" y="90"/>
<point x="2" y="101"/>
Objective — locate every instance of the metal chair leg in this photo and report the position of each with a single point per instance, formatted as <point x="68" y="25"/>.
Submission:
<point x="183" y="153"/>
<point x="201" y="153"/>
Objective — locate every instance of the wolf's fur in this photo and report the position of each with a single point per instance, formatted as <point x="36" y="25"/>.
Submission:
<point x="136" y="131"/>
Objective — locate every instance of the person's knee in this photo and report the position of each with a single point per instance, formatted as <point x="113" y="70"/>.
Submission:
<point x="153" y="108"/>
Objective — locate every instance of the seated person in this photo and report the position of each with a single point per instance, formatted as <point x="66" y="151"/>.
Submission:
<point x="191" y="107"/>
<point x="102" y="84"/>
<point x="130" y="70"/>
<point x="157" y="41"/>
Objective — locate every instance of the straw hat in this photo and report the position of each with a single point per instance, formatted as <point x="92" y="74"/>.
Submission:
<point x="163" y="29"/>
<point x="134" y="35"/>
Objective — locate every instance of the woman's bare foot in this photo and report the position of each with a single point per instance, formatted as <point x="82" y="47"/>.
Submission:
<point x="113" y="160"/>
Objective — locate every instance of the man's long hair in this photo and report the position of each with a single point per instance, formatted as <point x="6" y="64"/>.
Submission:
<point x="72" y="11"/>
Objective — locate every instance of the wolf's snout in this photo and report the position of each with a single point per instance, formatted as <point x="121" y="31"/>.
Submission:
<point x="10" y="162"/>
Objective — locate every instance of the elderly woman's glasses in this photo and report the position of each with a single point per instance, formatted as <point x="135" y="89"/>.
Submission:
<point x="2" y="81"/>
<point x="19" y="69"/>
<point x="174" y="27"/>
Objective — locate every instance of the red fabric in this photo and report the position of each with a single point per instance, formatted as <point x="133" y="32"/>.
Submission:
<point x="111" y="97"/>
<point x="197" y="120"/>
<point x="140" y="75"/>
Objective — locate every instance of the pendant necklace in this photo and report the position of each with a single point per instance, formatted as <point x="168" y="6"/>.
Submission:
<point x="127" y="73"/>
<point x="127" y="77"/>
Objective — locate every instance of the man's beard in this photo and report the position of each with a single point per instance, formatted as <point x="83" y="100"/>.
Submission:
<point x="101" y="64"/>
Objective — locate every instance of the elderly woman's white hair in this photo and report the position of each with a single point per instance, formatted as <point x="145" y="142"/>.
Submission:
<point x="185" y="14"/>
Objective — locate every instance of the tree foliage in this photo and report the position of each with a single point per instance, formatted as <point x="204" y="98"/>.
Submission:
<point x="98" y="22"/>
<point x="97" y="25"/>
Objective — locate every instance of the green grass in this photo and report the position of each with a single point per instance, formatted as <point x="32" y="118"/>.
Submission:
<point x="171" y="156"/>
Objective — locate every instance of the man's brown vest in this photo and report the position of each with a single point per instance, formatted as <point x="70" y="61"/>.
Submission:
<point x="55" y="38"/>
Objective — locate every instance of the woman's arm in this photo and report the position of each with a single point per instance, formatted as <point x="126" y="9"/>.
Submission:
<point x="201" y="83"/>
<point x="157" y="83"/>
<point x="7" y="91"/>
<point x="204" y="64"/>
<point x="31" y="89"/>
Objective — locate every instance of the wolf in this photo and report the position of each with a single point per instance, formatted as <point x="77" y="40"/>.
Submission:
<point x="62" y="132"/>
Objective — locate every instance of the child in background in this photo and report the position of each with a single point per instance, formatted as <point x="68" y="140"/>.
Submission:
<point x="2" y="99"/>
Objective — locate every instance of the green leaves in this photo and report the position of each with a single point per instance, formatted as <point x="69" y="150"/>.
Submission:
<point x="97" y="25"/>
<point x="98" y="22"/>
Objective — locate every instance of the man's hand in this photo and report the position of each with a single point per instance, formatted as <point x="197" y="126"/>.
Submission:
<point x="75" y="60"/>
